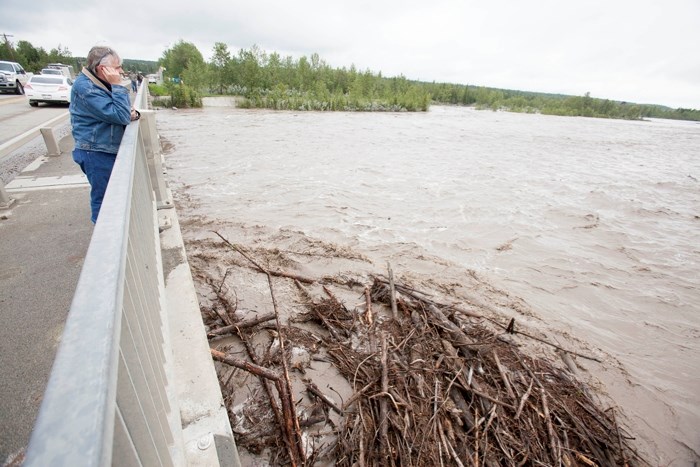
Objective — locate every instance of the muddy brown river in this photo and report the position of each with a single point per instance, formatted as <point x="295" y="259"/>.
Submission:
<point x="594" y="224"/>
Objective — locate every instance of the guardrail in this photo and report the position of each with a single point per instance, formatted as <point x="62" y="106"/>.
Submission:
<point x="46" y="130"/>
<point x="110" y="398"/>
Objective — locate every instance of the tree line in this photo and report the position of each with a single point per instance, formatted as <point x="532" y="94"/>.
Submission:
<point x="34" y="59"/>
<point x="268" y="80"/>
<point x="272" y="81"/>
<point x="553" y="104"/>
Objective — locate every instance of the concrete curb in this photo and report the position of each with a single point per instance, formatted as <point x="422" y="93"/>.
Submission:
<point x="208" y="438"/>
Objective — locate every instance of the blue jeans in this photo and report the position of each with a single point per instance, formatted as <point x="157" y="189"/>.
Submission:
<point x="98" y="168"/>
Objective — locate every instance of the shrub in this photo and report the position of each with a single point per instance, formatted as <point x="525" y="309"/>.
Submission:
<point x="157" y="90"/>
<point x="182" y="95"/>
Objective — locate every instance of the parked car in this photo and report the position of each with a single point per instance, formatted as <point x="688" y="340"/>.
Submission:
<point x="51" y="71"/>
<point x="152" y="79"/>
<point x="48" y="88"/>
<point x="13" y="78"/>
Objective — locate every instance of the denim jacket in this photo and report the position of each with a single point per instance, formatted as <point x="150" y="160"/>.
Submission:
<point x="98" y="115"/>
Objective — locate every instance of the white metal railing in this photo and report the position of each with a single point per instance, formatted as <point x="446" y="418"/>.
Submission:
<point x="108" y="399"/>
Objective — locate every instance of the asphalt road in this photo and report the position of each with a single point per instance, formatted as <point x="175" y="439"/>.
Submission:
<point x="43" y="241"/>
<point x="16" y="116"/>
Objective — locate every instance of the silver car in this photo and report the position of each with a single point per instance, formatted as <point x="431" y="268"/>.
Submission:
<point x="48" y="88"/>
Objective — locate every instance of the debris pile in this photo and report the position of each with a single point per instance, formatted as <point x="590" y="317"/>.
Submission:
<point x="408" y="380"/>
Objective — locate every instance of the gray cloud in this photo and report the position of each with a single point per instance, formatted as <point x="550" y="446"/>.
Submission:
<point x="634" y="50"/>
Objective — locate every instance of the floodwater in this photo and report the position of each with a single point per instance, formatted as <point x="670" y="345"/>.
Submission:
<point x="593" y="223"/>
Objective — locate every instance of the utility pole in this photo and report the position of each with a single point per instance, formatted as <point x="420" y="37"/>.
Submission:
<point x="7" y="44"/>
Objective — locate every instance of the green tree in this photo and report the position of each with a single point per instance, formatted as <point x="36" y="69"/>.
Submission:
<point x="60" y="55"/>
<point x="185" y="62"/>
<point x="180" y="57"/>
<point x="33" y="59"/>
<point x="221" y="71"/>
<point x="249" y="68"/>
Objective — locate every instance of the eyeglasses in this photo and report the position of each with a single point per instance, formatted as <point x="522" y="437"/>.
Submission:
<point x="109" y="52"/>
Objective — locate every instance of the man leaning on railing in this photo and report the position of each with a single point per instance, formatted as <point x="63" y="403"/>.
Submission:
<point x="100" y="110"/>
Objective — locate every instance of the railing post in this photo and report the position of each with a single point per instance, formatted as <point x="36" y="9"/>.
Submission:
<point x="5" y="200"/>
<point x="155" y="160"/>
<point x="50" y="140"/>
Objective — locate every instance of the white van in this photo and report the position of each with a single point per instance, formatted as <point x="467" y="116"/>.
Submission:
<point x="66" y="70"/>
<point x="52" y="71"/>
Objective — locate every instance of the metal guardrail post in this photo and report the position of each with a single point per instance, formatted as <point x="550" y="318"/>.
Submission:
<point x="5" y="200"/>
<point x="155" y="159"/>
<point x="151" y="141"/>
<point x="50" y="140"/>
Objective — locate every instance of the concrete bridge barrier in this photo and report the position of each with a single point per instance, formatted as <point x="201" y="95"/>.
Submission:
<point x="133" y="382"/>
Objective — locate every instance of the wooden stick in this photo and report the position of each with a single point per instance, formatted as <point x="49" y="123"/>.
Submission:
<point x="489" y="398"/>
<point x="368" y="304"/>
<point x="329" y="327"/>
<point x="223" y="281"/>
<point x="383" y="403"/>
<point x="504" y="376"/>
<point x="312" y="388"/>
<point x="407" y="291"/>
<point x="422" y="297"/>
<point x="223" y="315"/>
<point x="331" y="295"/>
<point x="291" y="422"/>
<point x="585" y="459"/>
<point x="453" y="331"/>
<point x="568" y="361"/>
<point x="463" y="407"/>
<point x="277" y="273"/>
<point x="241" y="325"/>
<point x="392" y="292"/>
<point x="450" y="448"/>
<point x="523" y="399"/>
<point x="284" y="386"/>
<point x="619" y="440"/>
<point x="244" y="365"/>
<point x="348" y="403"/>
<point x="468" y="384"/>
<point x="267" y="385"/>
<point x="288" y="400"/>
<point x="550" y="429"/>
<point x="273" y="376"/>
<point x="362" y="451"/>
<point x="290" y="275"/>
<point x="314" y="419"/>
<point x="587" y="357"/>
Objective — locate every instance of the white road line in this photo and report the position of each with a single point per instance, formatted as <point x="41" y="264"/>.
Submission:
<point x="35" y="165"/>
<point x="47" y="183"/>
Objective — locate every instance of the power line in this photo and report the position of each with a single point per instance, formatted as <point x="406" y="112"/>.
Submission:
<point x="7" y="44"/>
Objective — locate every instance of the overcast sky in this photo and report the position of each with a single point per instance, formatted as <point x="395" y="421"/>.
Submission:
<point x="644" y="51"/>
